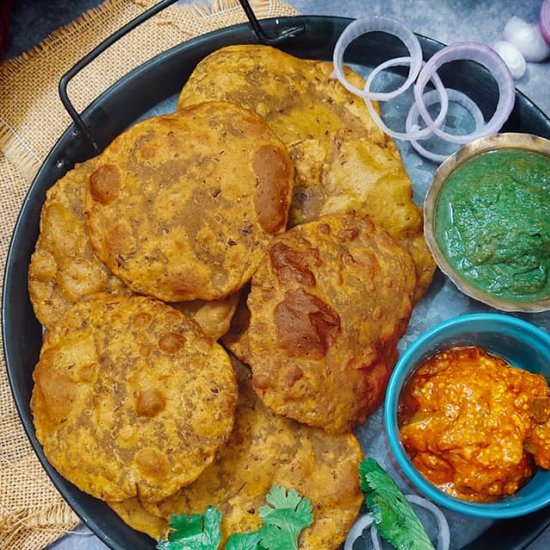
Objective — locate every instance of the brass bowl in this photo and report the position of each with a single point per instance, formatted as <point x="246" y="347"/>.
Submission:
<point x="509" y="141"/>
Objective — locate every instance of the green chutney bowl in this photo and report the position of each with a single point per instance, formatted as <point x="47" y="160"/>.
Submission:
<point x="498" y="142"/>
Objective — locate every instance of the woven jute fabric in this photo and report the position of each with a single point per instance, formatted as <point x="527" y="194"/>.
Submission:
<point x="32" y="513"/>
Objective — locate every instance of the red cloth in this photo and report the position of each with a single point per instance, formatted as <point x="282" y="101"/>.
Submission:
<point x="5" y="13"/>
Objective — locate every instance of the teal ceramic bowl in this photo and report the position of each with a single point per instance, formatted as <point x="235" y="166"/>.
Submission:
<point x="523" y="345"/>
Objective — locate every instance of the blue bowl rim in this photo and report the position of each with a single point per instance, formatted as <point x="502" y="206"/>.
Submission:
<point x="493" y="510"/>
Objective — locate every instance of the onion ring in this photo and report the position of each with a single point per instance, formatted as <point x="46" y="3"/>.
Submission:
<point x="373" y="24"/>
<point x="443" y="535"/>
<point x="406" y="136"/>
<point x="544" y="21"/>
<point x="431" y="98"/>
<point x="422" y="74"/>
<point x="490" y="60"/>
<point x="362" y="522"/>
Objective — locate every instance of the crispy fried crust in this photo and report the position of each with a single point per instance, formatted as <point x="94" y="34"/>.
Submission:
<point x="328" y="304"/>
<point x="182" y="206"/>
<point x="130" y="398"/>
<point x="64" y="268"/>
<point x="214" y="318"/>
<point x="133" y="513"/>
<point x="267" y="449"/>
<point x="343" y="161"/>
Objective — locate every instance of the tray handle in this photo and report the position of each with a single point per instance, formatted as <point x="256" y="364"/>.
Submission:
<point x="278" y="37"/>
<point x="263" y="37"/>
<point x="89" y="57"/>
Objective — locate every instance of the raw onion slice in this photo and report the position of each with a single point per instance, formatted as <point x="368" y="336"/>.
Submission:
<point x="443" y="535"/>
<point x="377" y="23"/>
<point x="432" y="98"/>
<point x="417" y="133"/>
<point x="544" y="20"/>
<point x="363" y="521"/>
<point x="490" y="60"/>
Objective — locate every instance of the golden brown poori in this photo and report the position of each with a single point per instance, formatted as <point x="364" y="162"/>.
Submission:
<point x="133" y="513"/>
<point x="266" y="449"/>
<point x="343" y="161"/>
<point x="181" y="207"/>
<point x="64" y="268"/>
<point x="214" y="317"/>
<point x="327" y="306"/>
<point x="130" y="398"/>
<point x="134" y="402"/>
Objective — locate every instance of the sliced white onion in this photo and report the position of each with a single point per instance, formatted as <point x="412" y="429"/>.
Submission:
<point x="375" y="537"/>
<point x="423" y="73"/>
<point x="489" y="59"/>
<point x="363" y="521"/>
<point x="544" y="21"/>
<point x="512" y="57"/>
<point x="432" y="98"/>
<point x="443" y="535"/>
<point x="417" y="133"/>
<point x="377" y="23"/>
<point x="527" y="39"/>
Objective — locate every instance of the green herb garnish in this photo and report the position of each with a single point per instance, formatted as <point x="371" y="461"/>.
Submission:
<point x="283" y="520"/>
<point x="393" y="515"/>
<point x="243" y="541"/>
<point x="194" y="531"/>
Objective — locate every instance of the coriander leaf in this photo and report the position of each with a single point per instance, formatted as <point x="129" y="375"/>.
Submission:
<point x="284" y="520"/>
<point x="194" y="531"/>
<point x="279" y="498"/>
<point x="243" y="541"/>
<point x="393" y="515"/>
<point x="184" y="526"/>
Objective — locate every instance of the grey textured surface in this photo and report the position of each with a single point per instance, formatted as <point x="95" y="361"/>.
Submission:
<point x="445" y="20"/>
<point x="33" y="20"/>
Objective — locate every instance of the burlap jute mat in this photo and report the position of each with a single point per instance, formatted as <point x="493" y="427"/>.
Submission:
<point x="32" y="513"/>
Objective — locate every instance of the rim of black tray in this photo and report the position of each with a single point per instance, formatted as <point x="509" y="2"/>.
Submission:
<point x="511" y="533"/>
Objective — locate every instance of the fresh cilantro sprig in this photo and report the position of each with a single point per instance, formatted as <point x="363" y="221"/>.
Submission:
<point x="284" y="518"/>
<point x="393" y="515"/>
<point x="194" y="531"/>
<point x="243" y="541"/>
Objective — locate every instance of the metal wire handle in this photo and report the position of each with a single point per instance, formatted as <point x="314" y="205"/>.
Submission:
<point x="262" y="36"/>
<point x="278" y="37"/>
<point x="88" y="58"/>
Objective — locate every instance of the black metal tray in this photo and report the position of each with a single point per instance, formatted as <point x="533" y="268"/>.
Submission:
<point x="140" y="93"/>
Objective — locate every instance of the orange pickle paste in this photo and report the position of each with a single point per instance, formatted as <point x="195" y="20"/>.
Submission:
<point x="475" y="426"/>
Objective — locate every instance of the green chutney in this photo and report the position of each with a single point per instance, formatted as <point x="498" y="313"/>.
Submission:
<point x="492" y="223"/>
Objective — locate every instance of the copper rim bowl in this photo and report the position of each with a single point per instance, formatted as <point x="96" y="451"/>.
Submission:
<point x="510" y="141"/>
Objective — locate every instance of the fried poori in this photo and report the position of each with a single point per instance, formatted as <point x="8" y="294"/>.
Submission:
<point x="214" y="318"/>
<point x="328" y="304"/>
<point x="265" y="450"/>
<point x="130" y="398"/>
<point x="133" y="513"/>
<point x="181" y="207"/>
<point x="343" y="161"/>
<point x="64" y="268"/>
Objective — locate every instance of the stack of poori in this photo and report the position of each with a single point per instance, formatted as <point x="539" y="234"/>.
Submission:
<point x="272" y="174"/>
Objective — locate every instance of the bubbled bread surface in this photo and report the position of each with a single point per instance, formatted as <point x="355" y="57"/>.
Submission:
<point x="182" y="206"/>
<point x="130" y="398"/>
<point x="327" y="305"/>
